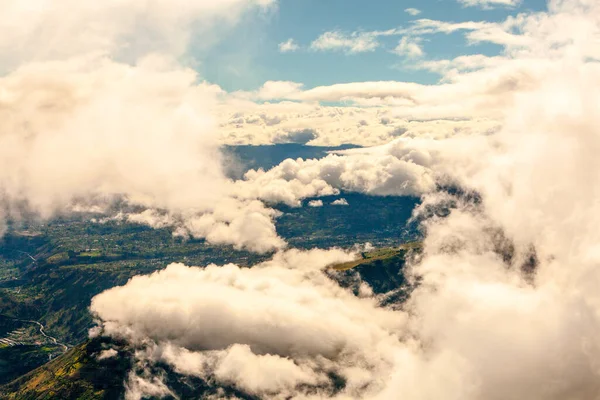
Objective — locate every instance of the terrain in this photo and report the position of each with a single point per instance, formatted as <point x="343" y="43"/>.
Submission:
<point x="81" y="374"/>
<point x="50" y="270"/>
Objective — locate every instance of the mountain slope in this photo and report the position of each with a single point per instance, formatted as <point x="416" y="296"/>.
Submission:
<point x="78" y="374"/>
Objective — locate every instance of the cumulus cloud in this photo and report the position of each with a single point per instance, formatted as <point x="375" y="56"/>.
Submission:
<point x="243" y="224"/>
<point x="302" y="136"/>
<point x="399" y="131"/>
<point x="138" y="387"/>
<point x="242" y="345"/>
<point x="288" y="46"/>
<point x="106" y="354"/>
<point x="379" y="112"/>
<point x="409" y="47"/>
<point x="315" y="203"/>
<point x="98" y="109"/>
<point x="126" y="29"/>
<point x="402" y="168"/>
<point x="98" y="120"/>
<point x="94" y="114"/>
<point x="340" y="202"/>
<point x="487" y="85"/>
<point x="271" y="90"/>
<point x="254" y="123"/>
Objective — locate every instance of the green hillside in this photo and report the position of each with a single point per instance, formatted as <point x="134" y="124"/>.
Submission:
<point x="76" y="374"/>
<point x="386" y="253"/>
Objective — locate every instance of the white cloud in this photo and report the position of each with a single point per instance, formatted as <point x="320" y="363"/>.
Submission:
<point x="340" y="202"/>
<point x="315" y="203"/>
<point x="101" y="112"/>
<point x="250" y="123"/>
<point x="461" y="64"/>
<point x="356" y="42"/>
<point x="422" y="109"/>
<point x="126" y="29"/>
<point x="490" y="3"/>
<point x="241" y="345"/>
<point x="258" y="374"/>
<point x="271" y="90"/>
<point x="401" y="169"/>
<point x="502" y="280"/>
<point x="288" y="46"/>
<point x="106" y="354"/>
<point x="302" y="136"/>
<point x="139" y="387"/>
<point x="243" y="224"/>
<point x="96" y="107"/>
<point x="412" y="11"/>
<point x="486" y="85"/>
<point x="506" y="33"/>
<point x="114" y="122"/>
<point x="409" y="47"/>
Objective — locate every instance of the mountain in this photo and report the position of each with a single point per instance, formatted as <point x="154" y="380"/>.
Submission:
<point x="80" y="374"/>
<point x="77" y="374"/>
<point x="50" y="270"/>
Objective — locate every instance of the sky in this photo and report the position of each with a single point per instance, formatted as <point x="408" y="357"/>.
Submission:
<point x="250" y="55"/>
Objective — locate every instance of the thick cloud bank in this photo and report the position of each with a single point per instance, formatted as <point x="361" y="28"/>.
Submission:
<point x="507" y="303"/>
<point x="94" y="107"/>
<point x="268" y="337"/>
<point x="101" y="109"/>
<point x="402" y="168"/>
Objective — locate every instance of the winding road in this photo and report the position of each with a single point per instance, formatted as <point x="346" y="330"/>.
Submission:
<point x="53" y="339"/>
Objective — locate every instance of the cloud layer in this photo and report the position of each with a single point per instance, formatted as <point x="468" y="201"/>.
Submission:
<point x="94" y="106"/>
<point x="506" y="305"/>
<point x="125" y="29"/>
<point x="486" y="85"/>
<point x="261" y="347"/>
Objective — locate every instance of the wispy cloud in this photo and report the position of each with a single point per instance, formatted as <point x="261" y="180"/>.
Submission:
<point x="413" y="11"/>
<point x="149" y="118"/>
<point x="410" y="47"/>
<point x="288" y="46"/>
<point x="508" y="33"/>
<point x="353" y="43"/>
<point x="487" y="4"/>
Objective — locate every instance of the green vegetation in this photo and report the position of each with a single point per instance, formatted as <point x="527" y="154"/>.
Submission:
<point x="50" y="272"/>
<point x="54" y="274"/>
<point x="75" y="375"/>
<point x="382" y="269"/>
<point x="17" y="360"/>
<point x="78" y="374"/>
<point x="58" y="258"/>
<point x="381" y="254"/>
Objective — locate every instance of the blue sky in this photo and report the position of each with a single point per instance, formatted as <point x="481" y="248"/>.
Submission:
<point x="248" y="56"/>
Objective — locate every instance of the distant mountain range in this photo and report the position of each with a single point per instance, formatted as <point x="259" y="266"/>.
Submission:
<point x="240" y="159"/>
